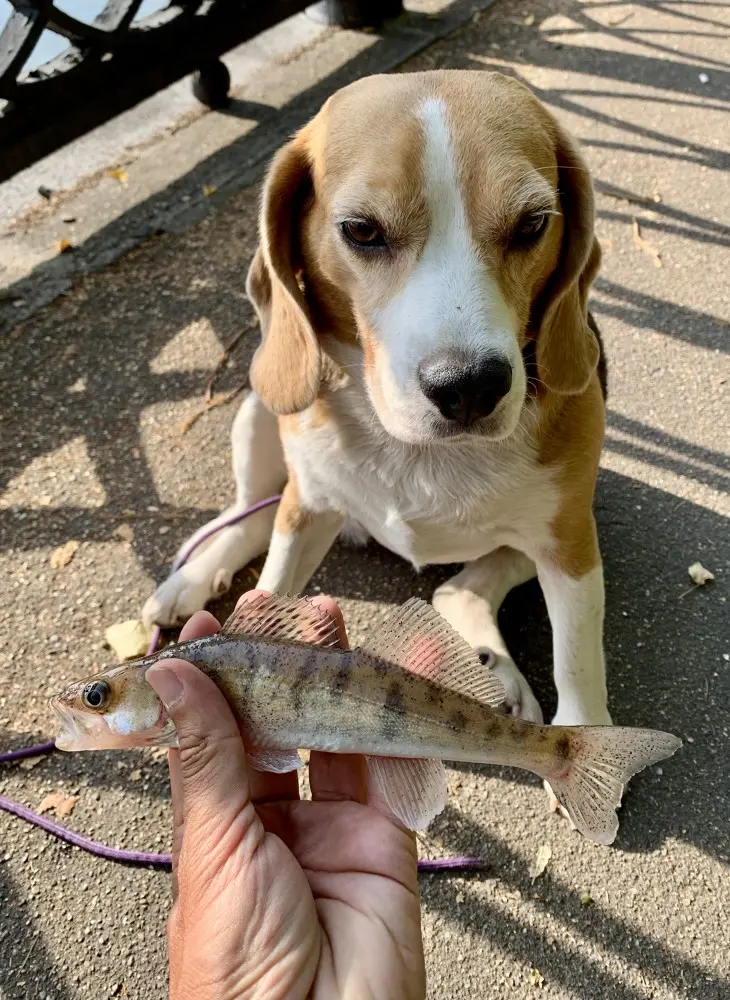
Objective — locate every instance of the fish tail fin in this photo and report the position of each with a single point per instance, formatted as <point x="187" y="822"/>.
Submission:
<point x="604" y="758"/>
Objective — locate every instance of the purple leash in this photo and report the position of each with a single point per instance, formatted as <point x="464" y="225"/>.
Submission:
<point x="164" y="861"/>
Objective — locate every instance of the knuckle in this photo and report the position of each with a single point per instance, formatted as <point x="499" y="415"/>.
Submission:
<point x="205" y="757"/>
<point x="199" y="752"/>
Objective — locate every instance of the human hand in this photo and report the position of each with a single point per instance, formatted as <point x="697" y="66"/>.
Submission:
<point x="275" y="897"/>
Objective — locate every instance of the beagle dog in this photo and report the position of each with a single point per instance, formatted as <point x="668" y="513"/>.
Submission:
<point x="428" y="373"/>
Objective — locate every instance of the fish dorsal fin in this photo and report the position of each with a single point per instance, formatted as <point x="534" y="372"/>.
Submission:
<point x="284" y="618"/>
<point x="417" y="638"/>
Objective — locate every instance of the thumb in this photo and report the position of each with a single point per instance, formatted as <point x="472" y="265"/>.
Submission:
<point x="212" y="771"/>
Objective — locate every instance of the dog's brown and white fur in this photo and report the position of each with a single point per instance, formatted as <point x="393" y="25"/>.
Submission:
<point x="457" y="172"/>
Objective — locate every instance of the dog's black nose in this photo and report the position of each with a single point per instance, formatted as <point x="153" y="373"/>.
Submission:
<point x="464" y="392"/>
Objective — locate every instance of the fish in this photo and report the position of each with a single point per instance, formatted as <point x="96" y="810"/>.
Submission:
<point x="414" y="696"/>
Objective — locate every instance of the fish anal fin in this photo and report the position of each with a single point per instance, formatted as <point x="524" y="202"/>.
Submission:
<point x="412" y="789"/>
<point x="417" y="638"/>
<point x="284" y="618"/>
<point x="274" y="759"/>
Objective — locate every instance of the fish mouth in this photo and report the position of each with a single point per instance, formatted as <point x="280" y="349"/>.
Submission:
<point x="84" y="731"/>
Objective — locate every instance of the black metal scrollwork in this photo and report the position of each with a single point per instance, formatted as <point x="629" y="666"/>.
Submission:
<point x="112" y="64"/>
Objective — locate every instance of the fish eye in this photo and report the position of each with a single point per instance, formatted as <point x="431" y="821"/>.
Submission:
<point x="96" y="695"/>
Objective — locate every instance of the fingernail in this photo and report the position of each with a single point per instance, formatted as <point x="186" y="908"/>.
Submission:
<point x="166" y="685"/>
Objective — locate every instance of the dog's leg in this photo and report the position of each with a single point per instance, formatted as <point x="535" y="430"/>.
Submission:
<point x="575" y="605"/>
<point x="470" y="602"/>
<point x="299" y="543"/>
<point x="259" y="470"/>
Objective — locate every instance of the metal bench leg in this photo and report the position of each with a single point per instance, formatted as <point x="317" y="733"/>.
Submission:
<point x="211" y="84"/>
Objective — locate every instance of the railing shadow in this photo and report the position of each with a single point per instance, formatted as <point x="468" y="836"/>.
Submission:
<point x="574" y="968"/>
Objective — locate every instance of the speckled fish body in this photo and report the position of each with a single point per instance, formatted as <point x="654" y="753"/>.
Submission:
<point x="417" y="697"/>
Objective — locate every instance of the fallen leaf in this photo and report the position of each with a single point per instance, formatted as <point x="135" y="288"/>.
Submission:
<point x="586" y="899"/>
<point x="63" y="246"/>
<point x="128" y="639"/>
<point x="699" y="575"/>
<point x="536" y="978"/>
<point x="529" y="20"/>
<point x="125" y="532"/>
<point x="544" y="853"/>
<point x="30" y="762"/>
<point x="648" y="248"/>
<point x="63" y="555"/>
<point x="119" y="174"/>
<point x="63" y="805"/>
<point x="209" y="190"/>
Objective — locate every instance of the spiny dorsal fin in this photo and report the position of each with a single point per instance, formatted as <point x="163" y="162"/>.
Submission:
<point x="418" y="638"/>
<point x="284" y="618"/>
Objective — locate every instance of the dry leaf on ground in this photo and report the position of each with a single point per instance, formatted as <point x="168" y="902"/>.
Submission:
<point x="544" y="853"/>
<point x="63" y="805"/>
<point x="129" y="639"/>
<point x="119" y="174"/>
<point x="125" y="532"/>
<point x="699" y="575"/>
<point x="63" y="555"/>
<point x="648" y="248"/>
<point x="30" y="762"/>
<point x="209" y="190"/>
<point x="536" y="978"/>
<point x="63" y="246"/>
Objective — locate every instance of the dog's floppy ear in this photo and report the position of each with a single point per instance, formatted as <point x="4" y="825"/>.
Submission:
<point x="567" y="349"/>
<point x="286" y="368"/>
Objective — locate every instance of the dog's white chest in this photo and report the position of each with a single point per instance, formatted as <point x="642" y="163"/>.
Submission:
<point x="451" y="502"/>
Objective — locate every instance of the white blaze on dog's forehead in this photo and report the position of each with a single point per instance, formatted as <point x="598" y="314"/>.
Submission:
<point x="449" y="301"/>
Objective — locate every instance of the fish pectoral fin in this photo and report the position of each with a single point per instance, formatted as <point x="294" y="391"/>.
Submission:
<point x="412" y="789"/>
<point x="274" y="759"/>
<point x="284" y="618"/>
<point x="417" y="638"/>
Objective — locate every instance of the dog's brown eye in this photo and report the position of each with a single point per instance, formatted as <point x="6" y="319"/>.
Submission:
<point x="363" y="234"/>
<point x="531" y="227"/>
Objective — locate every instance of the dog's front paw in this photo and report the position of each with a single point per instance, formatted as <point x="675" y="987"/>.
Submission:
<point x="555" y="807"/>
<point x="520" y="702"/>
<point x="183" y="593"/>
